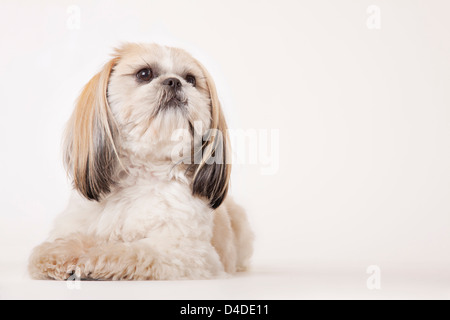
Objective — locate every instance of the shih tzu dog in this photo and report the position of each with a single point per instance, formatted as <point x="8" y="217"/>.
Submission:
<point x="148" y="204"/>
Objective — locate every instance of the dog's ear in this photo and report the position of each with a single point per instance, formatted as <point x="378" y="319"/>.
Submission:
<point x="212" y="175"/>
<point x="90" y="153"/>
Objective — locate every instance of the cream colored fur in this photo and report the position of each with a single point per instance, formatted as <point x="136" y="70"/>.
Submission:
<point x="149" y="226"/>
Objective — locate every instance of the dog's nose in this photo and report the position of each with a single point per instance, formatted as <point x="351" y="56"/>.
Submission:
<point x="174" y="83"/>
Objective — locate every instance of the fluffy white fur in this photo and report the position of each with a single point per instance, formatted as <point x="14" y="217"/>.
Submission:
<point x="144" y="221"/>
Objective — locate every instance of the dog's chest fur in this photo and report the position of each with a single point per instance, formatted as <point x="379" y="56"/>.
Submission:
<point x="153" y="203"/>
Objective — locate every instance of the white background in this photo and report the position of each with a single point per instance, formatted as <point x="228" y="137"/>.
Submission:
<point x="364" y="136"/>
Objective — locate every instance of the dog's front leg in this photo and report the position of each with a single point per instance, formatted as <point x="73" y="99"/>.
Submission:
<point x="58" y="259"/>
<point x="144" y="260"/>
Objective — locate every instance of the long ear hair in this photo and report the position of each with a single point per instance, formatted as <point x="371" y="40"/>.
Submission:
<point x="212" y="175"/>
<point x="90" y="153"/>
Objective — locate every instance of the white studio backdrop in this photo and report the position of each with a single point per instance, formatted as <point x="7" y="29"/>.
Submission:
<point x="355" y="95"/>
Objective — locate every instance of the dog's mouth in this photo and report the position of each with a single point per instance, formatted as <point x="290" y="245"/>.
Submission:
<point x="173" y="100"/>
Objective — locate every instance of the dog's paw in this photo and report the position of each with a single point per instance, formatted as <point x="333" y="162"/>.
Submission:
<point x="57" y="260"/>
<point x="111" y="262"/>
<point x="47" y="264"/>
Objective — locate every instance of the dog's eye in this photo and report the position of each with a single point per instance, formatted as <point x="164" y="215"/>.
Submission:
<point x="144" y="75"/>
<point x="191" y="79"/>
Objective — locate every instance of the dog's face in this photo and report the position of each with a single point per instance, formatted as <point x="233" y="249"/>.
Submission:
<point x="136" y="107"/>
<point x="154" y="91"/>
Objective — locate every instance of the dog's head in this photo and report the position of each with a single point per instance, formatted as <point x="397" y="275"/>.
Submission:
<point x="133" y="106"/>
